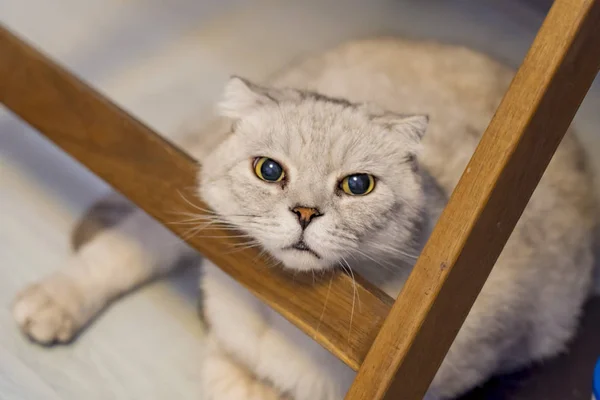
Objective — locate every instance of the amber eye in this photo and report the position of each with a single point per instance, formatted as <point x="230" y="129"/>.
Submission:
<point x="358" y="184"/>
<point x="268" y="170"/>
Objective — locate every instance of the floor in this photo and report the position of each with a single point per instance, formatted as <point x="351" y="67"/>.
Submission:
<point x="165" y="62"/>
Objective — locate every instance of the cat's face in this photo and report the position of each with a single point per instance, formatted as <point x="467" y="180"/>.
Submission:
<point x="317" y="182"/>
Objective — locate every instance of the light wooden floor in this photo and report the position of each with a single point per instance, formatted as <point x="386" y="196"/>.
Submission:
<point x="165" y="62"/>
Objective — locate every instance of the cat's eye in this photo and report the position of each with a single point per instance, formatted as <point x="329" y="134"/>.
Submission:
<point x="268" y="170"/>
<point x="358" y="184"/>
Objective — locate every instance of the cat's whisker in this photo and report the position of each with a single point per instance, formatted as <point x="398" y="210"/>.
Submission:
<point x="272" y="262"/>
<point x="261" y="254"/>
<point x="269" y="261"/>
<point x="324" y="307"/>
<point x="354" y="295"/>
<point x="355" y="287"/>
<point x="194" y="216"/>
<point x="382" y="263"/>
<point x="396" y="251"/>
<point x="197" y="207"/>
<point x="225" y="236"/>
<point x="200" y="217"/>
<point x="226" y="228"/>
<point x="194" y="231"/>
<point x="251" y="240"/>
<point x="196" y="222"/>
<point x="243" y="246"/>
<point x="385" y="265"/>
<point x="209" y="226"/>
<point x="188" y="213"/>
<point x="207" y="213"/>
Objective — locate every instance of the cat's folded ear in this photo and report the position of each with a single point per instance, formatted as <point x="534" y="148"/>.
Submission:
<point x="412" y="127"/>
<point x="241" y="97"/>
<point x="409" y="129"/>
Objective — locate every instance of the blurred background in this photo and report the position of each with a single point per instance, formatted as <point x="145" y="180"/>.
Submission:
<point x="165" y="62"/>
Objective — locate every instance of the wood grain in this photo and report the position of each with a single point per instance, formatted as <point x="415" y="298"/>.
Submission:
<point x="485" y="206"/>
<point x="153" y="173"/>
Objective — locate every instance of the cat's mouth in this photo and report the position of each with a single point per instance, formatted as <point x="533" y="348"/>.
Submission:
<point x="300" y="245"/>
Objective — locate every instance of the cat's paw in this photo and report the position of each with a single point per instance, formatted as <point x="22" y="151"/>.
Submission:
<point x="46" y="315"/>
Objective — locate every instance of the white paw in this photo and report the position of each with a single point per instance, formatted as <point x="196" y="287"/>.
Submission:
<point x="42" y="314"/>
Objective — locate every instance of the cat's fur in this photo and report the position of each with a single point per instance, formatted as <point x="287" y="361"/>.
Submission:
<point x="528" y="309"/>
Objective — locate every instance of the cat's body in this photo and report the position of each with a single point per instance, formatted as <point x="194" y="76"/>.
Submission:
<point x="529" y="306"/>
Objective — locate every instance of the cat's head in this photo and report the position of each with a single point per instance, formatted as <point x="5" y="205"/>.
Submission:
<point x="316" y="181"/>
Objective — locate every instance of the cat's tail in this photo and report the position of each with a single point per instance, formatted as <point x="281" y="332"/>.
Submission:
<point x="104" y="214"/>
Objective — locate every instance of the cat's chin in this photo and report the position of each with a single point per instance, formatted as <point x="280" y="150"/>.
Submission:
<point x="301" y="261"/>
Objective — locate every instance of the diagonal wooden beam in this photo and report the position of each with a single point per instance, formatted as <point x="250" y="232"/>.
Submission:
<point x="152" y="173"/>
<point x="485" y="206"/>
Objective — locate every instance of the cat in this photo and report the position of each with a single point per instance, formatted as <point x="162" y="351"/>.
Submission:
<point x="345" y="158"/>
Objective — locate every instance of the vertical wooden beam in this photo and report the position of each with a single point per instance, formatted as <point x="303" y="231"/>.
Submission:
<point x="485" y="206"/>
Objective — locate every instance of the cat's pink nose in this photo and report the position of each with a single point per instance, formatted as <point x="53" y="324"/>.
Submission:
<point x="305" y="215"/>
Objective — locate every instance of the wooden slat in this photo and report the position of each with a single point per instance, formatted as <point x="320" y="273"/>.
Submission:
<point x="485" y="206"/>
<point x="152" y="173"/>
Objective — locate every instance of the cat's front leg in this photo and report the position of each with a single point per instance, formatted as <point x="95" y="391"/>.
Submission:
<point x="267" y="345"/>
<point x="112" y="263"/>
<point x="225" y="379"/>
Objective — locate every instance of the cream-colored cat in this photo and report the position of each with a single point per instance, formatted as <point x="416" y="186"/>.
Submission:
<point x="334" y="165"/>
